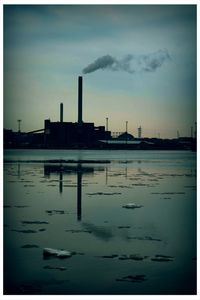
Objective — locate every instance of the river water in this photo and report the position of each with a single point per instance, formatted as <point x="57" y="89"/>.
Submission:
<point x="79" y="205"/>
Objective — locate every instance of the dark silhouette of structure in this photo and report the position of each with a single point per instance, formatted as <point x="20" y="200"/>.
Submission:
<point x="61" y="112"/>
<point x="79" y="193"/>
<point x="78" y="169"/>
<point x="19" y="127"/>
<point x="82" y="135"/>
<point x="80" y="99"/>
<point x="125" y="136"/>
<point x="78" y="135"/>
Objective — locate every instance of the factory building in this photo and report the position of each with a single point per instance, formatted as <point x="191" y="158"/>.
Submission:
<point x="79" y="134"/>
<point x="85" y="135"/>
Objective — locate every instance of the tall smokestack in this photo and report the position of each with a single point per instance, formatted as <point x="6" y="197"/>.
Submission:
<point x="80" y="79"/>
<point x="61" y="112"/>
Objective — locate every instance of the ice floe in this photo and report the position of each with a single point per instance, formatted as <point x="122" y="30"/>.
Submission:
<point x="101" y="193"/>
<point x="25" y="231"/>
<point x="108" y="256"/>
<point x="124" y="227"/>
<point x="146" y="238"/>
<point x="57" y="253"/>
<point x="54" y="268"/>
<point x="78" y="231"/>
<point x="131" y="205"/>
<point x="34" y="222"/>
<point x="131" y="278"/>
<point x="133" y="257"/>
<point x="27" y="246"/>
<point x="55" y="211"/>
<point x="162" y="258"/>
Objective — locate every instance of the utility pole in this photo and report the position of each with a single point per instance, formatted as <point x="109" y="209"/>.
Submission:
<point x="126" y="131"/>
<point x="139" y="132"/>
<point x="126" y="126"/>
<point x="192" y="132"/>
<point x="107" y="130"/>
<point x="195" y="133"/>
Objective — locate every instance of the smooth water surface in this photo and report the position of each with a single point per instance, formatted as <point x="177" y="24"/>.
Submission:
<point x="78" y="207"/>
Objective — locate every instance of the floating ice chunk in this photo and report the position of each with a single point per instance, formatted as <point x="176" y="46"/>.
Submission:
<point x="146" y="238"/>
<point x="131" y="278"/>
<point x="159" y="257"/>
<point x="132" y="205"/>
<point x="132" y="256"/>
<point x="55" y="268"/>
<point x="25" y="231"/>
<point x="34" y="222"/>
<point x="57" y="253"/>
<point x="29" y="246"/>
<point x="108" y="256"/>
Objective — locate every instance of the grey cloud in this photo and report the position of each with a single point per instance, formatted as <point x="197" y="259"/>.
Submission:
<point x="130" y="63"/>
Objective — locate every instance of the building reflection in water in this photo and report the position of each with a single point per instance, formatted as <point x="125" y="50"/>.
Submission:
<point x="108" y="169"/>
<point x="106" y="175"/>
<point x="61" y="182"/>
<point x="18" y="171"/>
<point x="78" y="169"/>
<point x="79" y="194"/>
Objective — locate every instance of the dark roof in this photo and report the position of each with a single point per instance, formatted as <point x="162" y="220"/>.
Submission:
<point x="126" y="136"/>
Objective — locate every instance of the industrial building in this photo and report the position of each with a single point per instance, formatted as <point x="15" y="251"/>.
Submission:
<point x="68" y="134"/>
<point x="84" y="135"/>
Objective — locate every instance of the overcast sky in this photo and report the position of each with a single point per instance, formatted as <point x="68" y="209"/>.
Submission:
<point x="151" y="83"/>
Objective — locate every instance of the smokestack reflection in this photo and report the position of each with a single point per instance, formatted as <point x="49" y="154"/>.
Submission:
<point x="18" y="171"/>
<point x="78" y="169"/>
<point x="79" y="193"/>
<point x="61" y="183"/>
<point x="106" y="176"/>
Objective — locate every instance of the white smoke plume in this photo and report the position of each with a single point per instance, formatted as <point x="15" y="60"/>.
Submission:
<point x="130" y="63"/>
